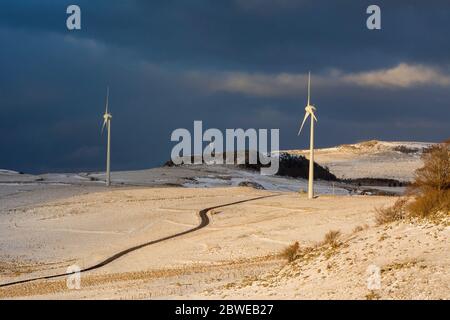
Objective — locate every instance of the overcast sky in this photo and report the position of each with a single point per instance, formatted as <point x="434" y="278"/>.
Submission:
<point x="232" y="64"/>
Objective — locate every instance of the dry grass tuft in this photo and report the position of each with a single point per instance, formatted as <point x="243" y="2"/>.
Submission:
<point x="431" y="204"/>
<point x="360" y="228"/>
<point x="393" y="213"/>
<point x="372" y="295"/>
<point x="327" y="246"/>
<point x="332" y="238"/>
<point x="291" y="252"/>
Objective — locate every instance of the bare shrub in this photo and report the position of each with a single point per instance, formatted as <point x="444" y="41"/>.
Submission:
<point x="291" y="252"/>
<point x="430" y="191"/>
<point x="393" y="213"/>
<point x="435" y="173"/>
<point x="431" y="187"/>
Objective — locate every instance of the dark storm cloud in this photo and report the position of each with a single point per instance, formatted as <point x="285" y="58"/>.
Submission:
<point x="230" y="63"/>
<point x="253" y="34"/>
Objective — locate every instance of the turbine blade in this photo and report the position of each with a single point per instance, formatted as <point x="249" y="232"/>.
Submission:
<point x="104" y="124"/>
<point x="304" y="120"/>
<point x="107" y="99"/>
<point x="309" y="87"/>
<point x="314" y="116"/>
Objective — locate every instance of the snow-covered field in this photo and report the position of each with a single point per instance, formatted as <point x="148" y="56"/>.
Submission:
<point x="51" y="221"/>
<point x="196" y="176"/>
<point x="233" y="257"/>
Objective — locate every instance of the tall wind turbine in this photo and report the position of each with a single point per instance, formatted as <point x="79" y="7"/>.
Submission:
<point x="107" y="122"/>
<point x="309" y="111"/>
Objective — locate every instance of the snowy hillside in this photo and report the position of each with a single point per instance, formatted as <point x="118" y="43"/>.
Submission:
<point x="371" y="159"/>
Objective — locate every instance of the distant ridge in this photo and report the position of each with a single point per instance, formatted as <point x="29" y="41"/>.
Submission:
<point x="374" y="146"/>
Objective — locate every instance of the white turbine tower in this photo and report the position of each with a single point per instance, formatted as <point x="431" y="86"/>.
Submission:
<point x="310" y="109"/>
<point x="107" y="122"/>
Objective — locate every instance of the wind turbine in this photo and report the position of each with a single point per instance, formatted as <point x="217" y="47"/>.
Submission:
<point x="309" y="111"/>
<point x="107" y="122"/>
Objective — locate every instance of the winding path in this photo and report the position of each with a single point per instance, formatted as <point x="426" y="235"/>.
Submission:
<point x="204" y="221"/>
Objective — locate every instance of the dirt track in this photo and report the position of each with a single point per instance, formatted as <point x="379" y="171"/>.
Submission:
<point x="204" y="221"/>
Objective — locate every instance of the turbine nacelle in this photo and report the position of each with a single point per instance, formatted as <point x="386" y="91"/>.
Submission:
<point x="310" y="109"/>
<point x="106" y="118"/>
